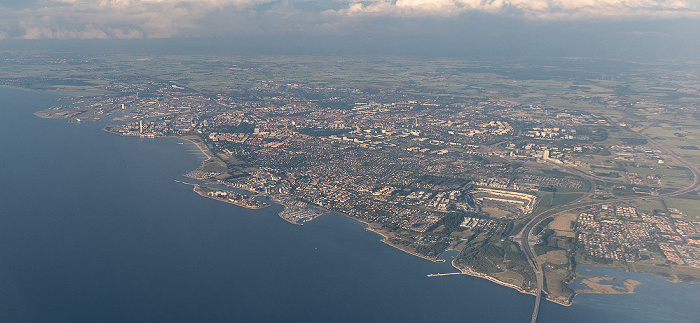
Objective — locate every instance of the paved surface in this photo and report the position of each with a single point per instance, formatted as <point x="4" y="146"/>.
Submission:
<point x="523" y="238"/>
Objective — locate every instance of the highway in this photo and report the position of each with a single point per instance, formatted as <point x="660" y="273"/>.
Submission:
<point x="527" y="246"/>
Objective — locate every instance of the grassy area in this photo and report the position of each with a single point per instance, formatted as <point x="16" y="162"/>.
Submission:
<point x="651" y="267"/>
<point x="553" y="255"/>
<point x="603" y="285"/>
<point x="581" y="259"/>
<point x="564" y="198"/>
<point x="498" y="258"/>
<point x="689" y="207"/>
<point x="511" y="277"/>
<point x="648" y="206"/>
<point x="562" y="224"/>
<point x="545" y="202"/>
<point x="214" y="165"/>
<point x="662" y="171"/>
<point x="682" y="133"/>
<point x="571" y="189"/>
<point x="685" y="273"/>
<point x="670" y="177"/>
<point x="555" y="284"/>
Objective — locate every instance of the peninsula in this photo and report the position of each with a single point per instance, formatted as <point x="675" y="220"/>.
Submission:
<point x="229" y="197"/>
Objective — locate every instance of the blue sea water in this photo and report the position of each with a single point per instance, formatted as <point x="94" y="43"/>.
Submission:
<point x="93" y="228"/>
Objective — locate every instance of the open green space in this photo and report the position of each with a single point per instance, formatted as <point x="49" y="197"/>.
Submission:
<point x="650" y="205"/>
<point x="690" y="208"/>
<point x="561" y="198"/>
<point x="670" y="177"/>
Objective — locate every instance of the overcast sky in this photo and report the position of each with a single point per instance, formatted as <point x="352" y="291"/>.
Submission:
<point x="630" y="26"/>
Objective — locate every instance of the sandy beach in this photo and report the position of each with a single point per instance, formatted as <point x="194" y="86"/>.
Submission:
<point x="201" y="148"/>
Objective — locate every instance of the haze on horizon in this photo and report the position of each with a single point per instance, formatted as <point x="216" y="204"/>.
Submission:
<point x="599" y="28"/>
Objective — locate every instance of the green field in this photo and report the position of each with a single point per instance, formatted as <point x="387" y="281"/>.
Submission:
<point x="648" y="206"/>
<point x="670" y="177"/>
<point x="690" y="208"/>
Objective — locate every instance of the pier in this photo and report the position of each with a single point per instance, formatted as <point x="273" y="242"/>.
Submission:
<point x="446" y="274"/>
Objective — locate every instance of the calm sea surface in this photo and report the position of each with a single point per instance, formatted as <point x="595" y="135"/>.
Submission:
<point x="93" y="228"/>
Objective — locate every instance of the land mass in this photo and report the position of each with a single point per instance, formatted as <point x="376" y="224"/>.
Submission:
<point x="228" y="197"/>
<point x="525" y="174"/>
<point x="596" y="285"/>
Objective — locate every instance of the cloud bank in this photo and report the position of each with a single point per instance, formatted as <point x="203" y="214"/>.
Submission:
<point x="100" y="19"/>
<point x="533" y="9"/>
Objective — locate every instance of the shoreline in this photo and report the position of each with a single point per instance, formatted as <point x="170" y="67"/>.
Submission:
<point x="203" y="149"/>
<point x="194" y="189"/>
<point x="385" y="239"/>
<point x="509" y="285"/>
<point x="472" y="273"/>
<point x="287" y="208"/>
<point x="206" y="152"/>
<point x="290" y="222"/>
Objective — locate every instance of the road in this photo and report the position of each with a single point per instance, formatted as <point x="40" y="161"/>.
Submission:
<point x="523" y="238"/>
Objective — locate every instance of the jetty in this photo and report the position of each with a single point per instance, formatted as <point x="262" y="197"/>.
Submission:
<point x="445" y="274"/>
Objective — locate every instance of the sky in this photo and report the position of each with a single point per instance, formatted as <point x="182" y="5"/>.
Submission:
<point x="450" y="27"/>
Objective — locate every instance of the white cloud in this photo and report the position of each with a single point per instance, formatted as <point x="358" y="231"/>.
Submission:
<point x="182" y="18"/>
<point x="87" y="32"/>
<point x="536" y="9"/>
<point x="121" y="18"/>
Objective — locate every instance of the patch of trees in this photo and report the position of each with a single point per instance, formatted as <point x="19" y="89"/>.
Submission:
<point x="450" y="222"/>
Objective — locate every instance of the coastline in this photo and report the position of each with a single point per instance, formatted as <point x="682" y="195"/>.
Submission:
<point x="385" y="238"/>
<point x="368" y="226"/>
<point x="194" y="189"/>
<point x="502" y="283"/>
<point x="199" y="145"/>
<point x="202" y="148"/>
<point x="286" y="208"/>
<point x="285" y="219"/>
<point x="492" y="279"/>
